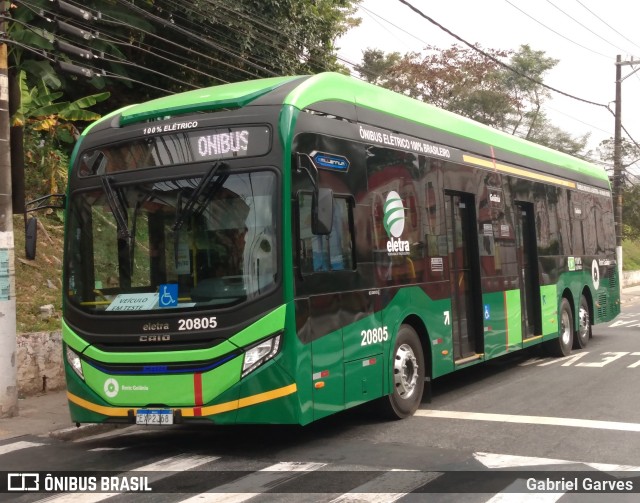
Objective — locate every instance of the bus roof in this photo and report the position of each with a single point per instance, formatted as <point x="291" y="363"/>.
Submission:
<point x="338" y="87"/>
<point x="335" y="87"/>
<point x="198" y="100"/>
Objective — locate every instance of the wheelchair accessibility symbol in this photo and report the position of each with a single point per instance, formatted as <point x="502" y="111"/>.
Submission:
<point x="168" y="296"/>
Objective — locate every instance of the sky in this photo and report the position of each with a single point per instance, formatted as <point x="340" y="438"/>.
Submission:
<point x="584" y="35"/>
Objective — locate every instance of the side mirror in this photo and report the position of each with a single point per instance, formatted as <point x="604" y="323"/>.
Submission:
<point x="30" y="238"/>
<point x="322" y="212"/>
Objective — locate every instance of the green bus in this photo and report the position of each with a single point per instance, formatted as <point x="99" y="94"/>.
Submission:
<point x="278" y="250"/>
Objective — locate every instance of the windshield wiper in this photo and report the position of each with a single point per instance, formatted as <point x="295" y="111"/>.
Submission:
<point x="117" y="207"/>
<point x="187" y="211"/>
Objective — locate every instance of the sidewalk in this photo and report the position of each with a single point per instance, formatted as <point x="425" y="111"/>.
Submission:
<point x="38" y="415"/>
<point x="48" y="414"/>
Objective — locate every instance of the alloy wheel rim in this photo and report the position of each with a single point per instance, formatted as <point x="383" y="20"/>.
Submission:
<point x="584" y="323"/>
<point x="566" y="329"/>
<point x="405" y="371"/>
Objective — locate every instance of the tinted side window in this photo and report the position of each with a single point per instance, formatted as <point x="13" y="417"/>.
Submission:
<point x="326" y="253"/>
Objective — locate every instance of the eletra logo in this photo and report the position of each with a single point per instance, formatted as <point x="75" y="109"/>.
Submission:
<point x="393" y="221"/>
<point x="393" y="215"/>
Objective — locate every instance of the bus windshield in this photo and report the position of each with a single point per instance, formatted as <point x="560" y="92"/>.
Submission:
<point x="175" y="243"/>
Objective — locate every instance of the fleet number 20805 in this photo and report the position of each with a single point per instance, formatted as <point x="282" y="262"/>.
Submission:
<point x="374" y="335"/>
<point x="197" y="323"/>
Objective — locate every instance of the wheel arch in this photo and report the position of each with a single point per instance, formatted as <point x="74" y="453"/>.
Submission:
<point x="586" y="293"/>
<point x="419" y="326"/>
<point x="567" y="294"/>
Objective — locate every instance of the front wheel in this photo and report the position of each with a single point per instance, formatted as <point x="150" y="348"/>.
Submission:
<point x="408" y="376"/>
<point x="562" y="345"/>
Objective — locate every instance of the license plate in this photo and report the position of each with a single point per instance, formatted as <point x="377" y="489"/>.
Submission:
<point x="154" y="416"/>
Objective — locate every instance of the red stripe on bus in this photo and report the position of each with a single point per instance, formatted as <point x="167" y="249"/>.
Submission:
<point x="197" y="388"/>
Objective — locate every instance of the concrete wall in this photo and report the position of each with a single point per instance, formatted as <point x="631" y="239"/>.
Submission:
<point x="40" y="366"/>
<point x="630" y="278"/>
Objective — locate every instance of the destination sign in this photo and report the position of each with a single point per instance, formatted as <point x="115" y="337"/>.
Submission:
<point x="158" y="148"/>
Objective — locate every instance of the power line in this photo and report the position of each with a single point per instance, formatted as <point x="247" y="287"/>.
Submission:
<point x="400" y="28"/>
<point x="96" y="72"/>
<point x="112" y="20"/>
<point x="554" y="31"/>
<point x="496" y="60"/>
<point x="412" y="35"/>
<point x="227" y="34"/>
<point x="585" y="27"/>
<point x="372" y="13"/>
<point x="607" y="24"/>
<point x="205" y="41"/>
<point x="114" y="40"/>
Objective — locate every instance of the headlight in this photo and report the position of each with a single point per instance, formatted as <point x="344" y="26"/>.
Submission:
<point x="74" y="360"/>
<point x="260" y="354"/>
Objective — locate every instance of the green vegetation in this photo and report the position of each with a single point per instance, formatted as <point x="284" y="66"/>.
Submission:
<point x="630" y="255"/>
<point x="39" y="281"/>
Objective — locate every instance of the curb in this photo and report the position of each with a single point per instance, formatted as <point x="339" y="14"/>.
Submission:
<point x="84" y="430"/>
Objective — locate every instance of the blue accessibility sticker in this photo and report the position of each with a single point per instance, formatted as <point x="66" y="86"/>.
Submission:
<point x="168" y="296"/>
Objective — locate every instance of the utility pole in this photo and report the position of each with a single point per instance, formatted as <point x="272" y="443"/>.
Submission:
<point x="8" y="386"/>
<point x="617" y="167"/>
<point x="618" y="170"/>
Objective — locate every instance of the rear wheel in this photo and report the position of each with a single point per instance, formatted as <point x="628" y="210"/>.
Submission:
<point x="584" y="325"/>
<point x="408" y="376"/>
<point x="563" y="344"/>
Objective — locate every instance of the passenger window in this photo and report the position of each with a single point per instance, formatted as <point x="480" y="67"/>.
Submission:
<point x="326" y="253"/>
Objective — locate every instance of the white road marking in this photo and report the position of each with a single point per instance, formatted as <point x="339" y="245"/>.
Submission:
<point x="491" y="460"/>
<point x="374" y="491"/>
<point x="255" y="484"/>
<point x="16" y="446"/>
<point x="514" y="492"/>
<point x="549" y="421"/>
<point x="514" y="497"/>
<point x="163" y="468"/>
<point x="500" y="461"/>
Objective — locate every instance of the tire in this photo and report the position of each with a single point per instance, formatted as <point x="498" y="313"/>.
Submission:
<point x="563" y="344"/>
<point x="582" y="336"/>
<point x="408" y="376"/>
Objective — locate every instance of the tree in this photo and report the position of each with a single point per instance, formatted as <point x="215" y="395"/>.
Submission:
<point x="522" y="82"/>
<point x="376" y="66"/>
<point x="49" y="124"/>
<point x="146" y="49"/>
<point x="456" y="79"/>
<point x="478" y="86"/>
<point x="630" y="155"/>
<point x="143" y="50"/>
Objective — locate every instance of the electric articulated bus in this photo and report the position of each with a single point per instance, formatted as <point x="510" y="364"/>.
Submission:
<point x="278" y="250"/>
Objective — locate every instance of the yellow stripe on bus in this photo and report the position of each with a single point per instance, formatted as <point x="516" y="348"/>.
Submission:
<point x="189" y="411"/>
<point x="517" y="171"/>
